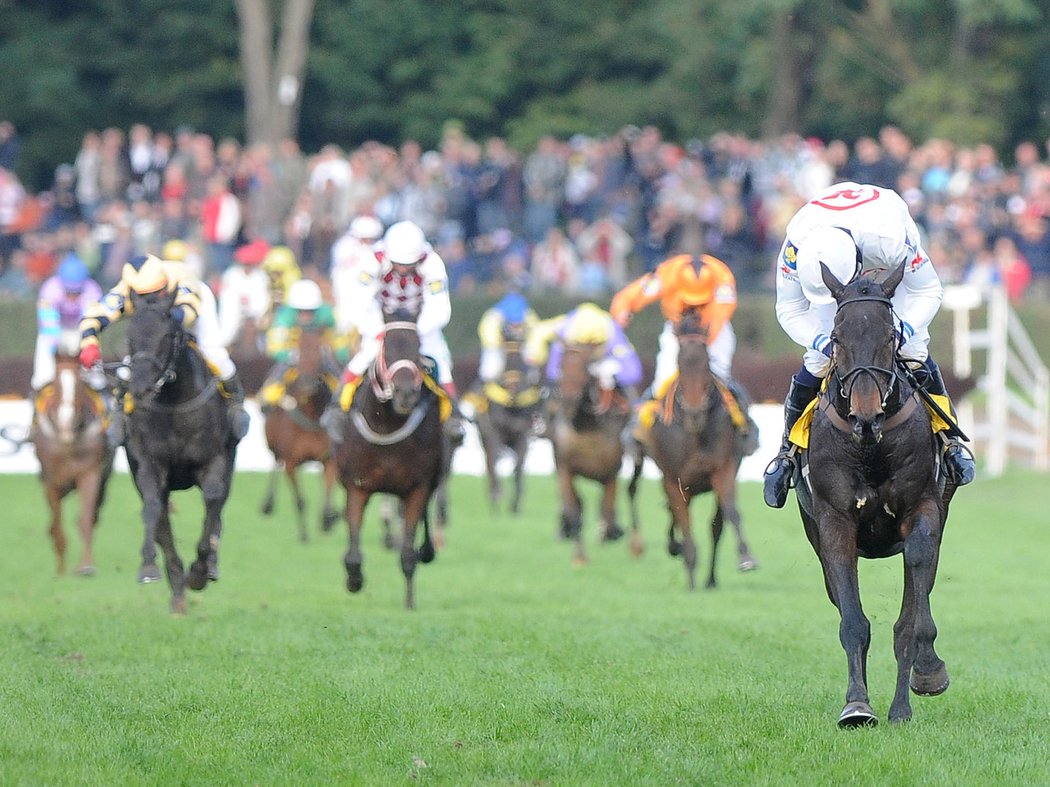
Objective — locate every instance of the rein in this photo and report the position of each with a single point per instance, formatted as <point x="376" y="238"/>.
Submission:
<point x="167" y="375"/>
<point x="849" y="379"/>
<point x="383" y="375"/>
<point x="415" y="418"/>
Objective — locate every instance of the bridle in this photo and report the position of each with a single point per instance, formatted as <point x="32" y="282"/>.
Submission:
<point x="383" y="375"/>
<point x="877" y="374"/>
<point x="166" y="369"/>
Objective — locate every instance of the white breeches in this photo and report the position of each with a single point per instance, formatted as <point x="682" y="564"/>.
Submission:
<point x="43" y="362"/>
<point x="209" y="336"/>
<point x="720" y="352"/>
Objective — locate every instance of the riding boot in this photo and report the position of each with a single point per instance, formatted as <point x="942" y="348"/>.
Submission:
<point x="958" y="461"/>
<point x="780" y="473"/>
<point x="235" y="411"/>
<point x="747" y="438"/>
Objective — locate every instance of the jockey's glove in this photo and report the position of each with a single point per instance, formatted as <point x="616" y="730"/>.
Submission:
<point x="606" y="370"/>
<point x="90" y="354"/>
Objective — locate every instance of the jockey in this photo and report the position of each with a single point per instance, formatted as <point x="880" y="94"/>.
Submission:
<point x="615" y="364"/>
<point x="350" y="255"/>
<point x="510" y="319"/>
<point x="304" y="309"/>
<point x="282" y="271"/>
<point x="63" y="300"/>
<point x="194" y="308"/>
<point x="405" y="273"/>
<point x="245" y="291"/>
<point x="853" y="229"/>
<point x="683" y="282"/>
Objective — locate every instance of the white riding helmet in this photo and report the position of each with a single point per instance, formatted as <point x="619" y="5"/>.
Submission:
<point x="305" y="295"/>
<point x="366" y="228"/>
<point x="405" y="244"/>
<point x="835" y="247"/>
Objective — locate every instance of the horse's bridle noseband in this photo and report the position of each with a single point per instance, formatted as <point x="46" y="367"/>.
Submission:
<point x="167" y="370"/>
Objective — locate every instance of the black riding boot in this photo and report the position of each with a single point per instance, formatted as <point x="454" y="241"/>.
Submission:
<point x="780" y="474"/>
<point x="235" y="411"/>
<point x="748" y="434"/>
<point x="958" y="460"/>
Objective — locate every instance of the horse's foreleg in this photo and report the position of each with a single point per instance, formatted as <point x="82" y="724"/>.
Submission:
<point x="838" y="558"/>
<point x="271" y="490"/>
<point x="414" y="505"/>
<point x="637" y="545"/>
<point x="571" y="515"/>
<point x="291" y="470"/>
<point x="154" y="506"/>
<point x="678" y="501"/>
<point x="330" y="515"/>
<point x="88" y="487"/>
<point x="172" y="563"/>
<point x="915" y="631"/>
<point x="611" y="530"/>
<point x="387" y="513"/>
<point x="717" y="525"/>
<point x="521" y="450"/>
<point x="491" y="449"/>
<point x="724" y="485"/>
<point x="355" y="511"/>
<point x="215" y="489"/>
<point x="58" y="538"/>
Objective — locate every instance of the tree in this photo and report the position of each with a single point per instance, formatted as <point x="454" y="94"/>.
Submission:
<point x="273" y="82"/>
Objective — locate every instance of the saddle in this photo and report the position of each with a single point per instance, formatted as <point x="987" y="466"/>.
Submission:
<point x="662" y="404"/>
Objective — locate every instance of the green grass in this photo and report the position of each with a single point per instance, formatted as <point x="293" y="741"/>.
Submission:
<point x="515" y="668"/>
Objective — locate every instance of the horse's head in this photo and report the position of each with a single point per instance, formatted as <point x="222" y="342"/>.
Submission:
<point x="694" y="370"/>
<point x="310" y="388"/>
<point x="397" y="376"/>
<point x="576" y="375"/>
<point x="516" y="372"/>
<point x="68" y="408"/>
<point x="155" y="340"/>
<point x="865" y="349"/>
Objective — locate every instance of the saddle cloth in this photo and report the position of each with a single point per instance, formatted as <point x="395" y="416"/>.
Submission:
<point x="272" y="393"/>
<point x="346" y="396"/>
<point x="800" y="431"/>
<point x="663" y="403"/>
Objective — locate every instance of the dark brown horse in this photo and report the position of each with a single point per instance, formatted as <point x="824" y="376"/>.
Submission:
<point x="872" y="488"/>
<point x="179" y="436"/>
<point x="71" y="446"/>
<point x="293" y="428"/>
<point x="585" y="429"/>
<point x="392" y="441"/>
<point x="505" y="418"/>
<point x="698" y="449"/>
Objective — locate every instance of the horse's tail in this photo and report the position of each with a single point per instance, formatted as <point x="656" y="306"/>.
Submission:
<point x="426" y="552"/>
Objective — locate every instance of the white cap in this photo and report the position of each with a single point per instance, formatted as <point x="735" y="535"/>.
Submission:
<point x="366" y="228"/>
<point x="305" y="294"/>
<point x="405" y="244"/>
<point x="834" y="247"/>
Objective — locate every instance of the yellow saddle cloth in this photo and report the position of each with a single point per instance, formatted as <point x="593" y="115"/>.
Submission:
<point x="273" y="392"/>
<point x="346" y="396"/>
<point x="800" y="431"/>
<point x="497" y="394"/>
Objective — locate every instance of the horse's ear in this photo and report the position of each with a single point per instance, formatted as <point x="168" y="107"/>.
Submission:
<point x="833" y="284"/>
<point x="891" y="282"/>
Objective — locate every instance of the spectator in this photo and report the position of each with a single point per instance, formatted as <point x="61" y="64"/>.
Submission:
<point x="10" y="146"/>
<point x="1014" y="270"/>
<point x="555" y="264"/>
<point x="220" y="217"/>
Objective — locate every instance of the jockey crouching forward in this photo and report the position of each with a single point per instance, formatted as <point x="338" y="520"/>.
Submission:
<point x="194" y="308"/>
<point x="615" y="362"/>
<point x="853" y="229"/>
<point x="508" y="323"/>
<point x="405" y="274"/>
<point x="305" y="310"/>
<point x="700" y="282"/>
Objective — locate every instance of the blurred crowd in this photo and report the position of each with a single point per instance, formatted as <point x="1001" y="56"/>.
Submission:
<point x="581" y="215"/>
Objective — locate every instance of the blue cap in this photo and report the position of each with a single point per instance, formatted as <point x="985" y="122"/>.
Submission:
<point x="72" y="272"/>
<point x="513" y="307"/>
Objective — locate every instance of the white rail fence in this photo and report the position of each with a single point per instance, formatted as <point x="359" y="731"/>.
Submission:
<point x="1012" y="425"/>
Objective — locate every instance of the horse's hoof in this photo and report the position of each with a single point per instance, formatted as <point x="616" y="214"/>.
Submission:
<point x="613" y="533"/>
<point x="328" y="521"/>
<point x="178" y="606"/>
<point x="267" y="508"/>
<point x="426" y="553"/>
<point x="930" y="684"/>
<point x="149" y="574"/>
<point x="674" y="548"/>
<point x="212" y="565"/>
<point x="747" y="564"/>
<point x="355" y="579"/>
<point x="86" y="570"/>
<point x="857" y="714"/>
<point x="579" y="562"/>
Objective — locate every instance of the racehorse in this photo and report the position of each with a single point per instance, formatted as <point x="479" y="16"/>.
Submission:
<point x="873" y="487"/>
<point x="698" y="449"/>
<point x="294" y="433"/>
<point x="73" y="452"/>
<point x="585" y="428"/>
<point x="178" y="437"/>
<point x="392" y="441"/>
<point x="505" y="418"/>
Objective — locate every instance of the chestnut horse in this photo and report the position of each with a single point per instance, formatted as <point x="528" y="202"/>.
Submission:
<point x="71" y="446"/>
<point x="586" y="424"/>
<point x="873" y="487"/>
<point x="179" y="436"/>
<point x="505" y="419"/>
<point x="391" y="441"/>
<point x="293" y="428"/>
<point x="698" y="449"/>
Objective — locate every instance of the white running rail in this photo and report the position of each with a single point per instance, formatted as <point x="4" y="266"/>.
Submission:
<point x="1015" y="423"/>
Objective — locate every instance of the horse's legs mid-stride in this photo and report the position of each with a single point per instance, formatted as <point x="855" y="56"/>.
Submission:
<point x="571" y="515"/>
<point x="678" y="501"/>
<point x="58" y="537"/>
<point x="611" y="530"/>
<point x="173" y="567"/>
<point x="271" y="489"/>
<point x="918" y="666"/>
<point x="215" y="488"/>
<point x="521" y="450"/>
<point x="291" y="470"/>
<point x="89" y="490"/>
<point x="724" y="485"/>
<point x="415" y="502"/>
<point x="491" y="445"/>
<point x="329" y="513"/>
<point x="637" y="545"/>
